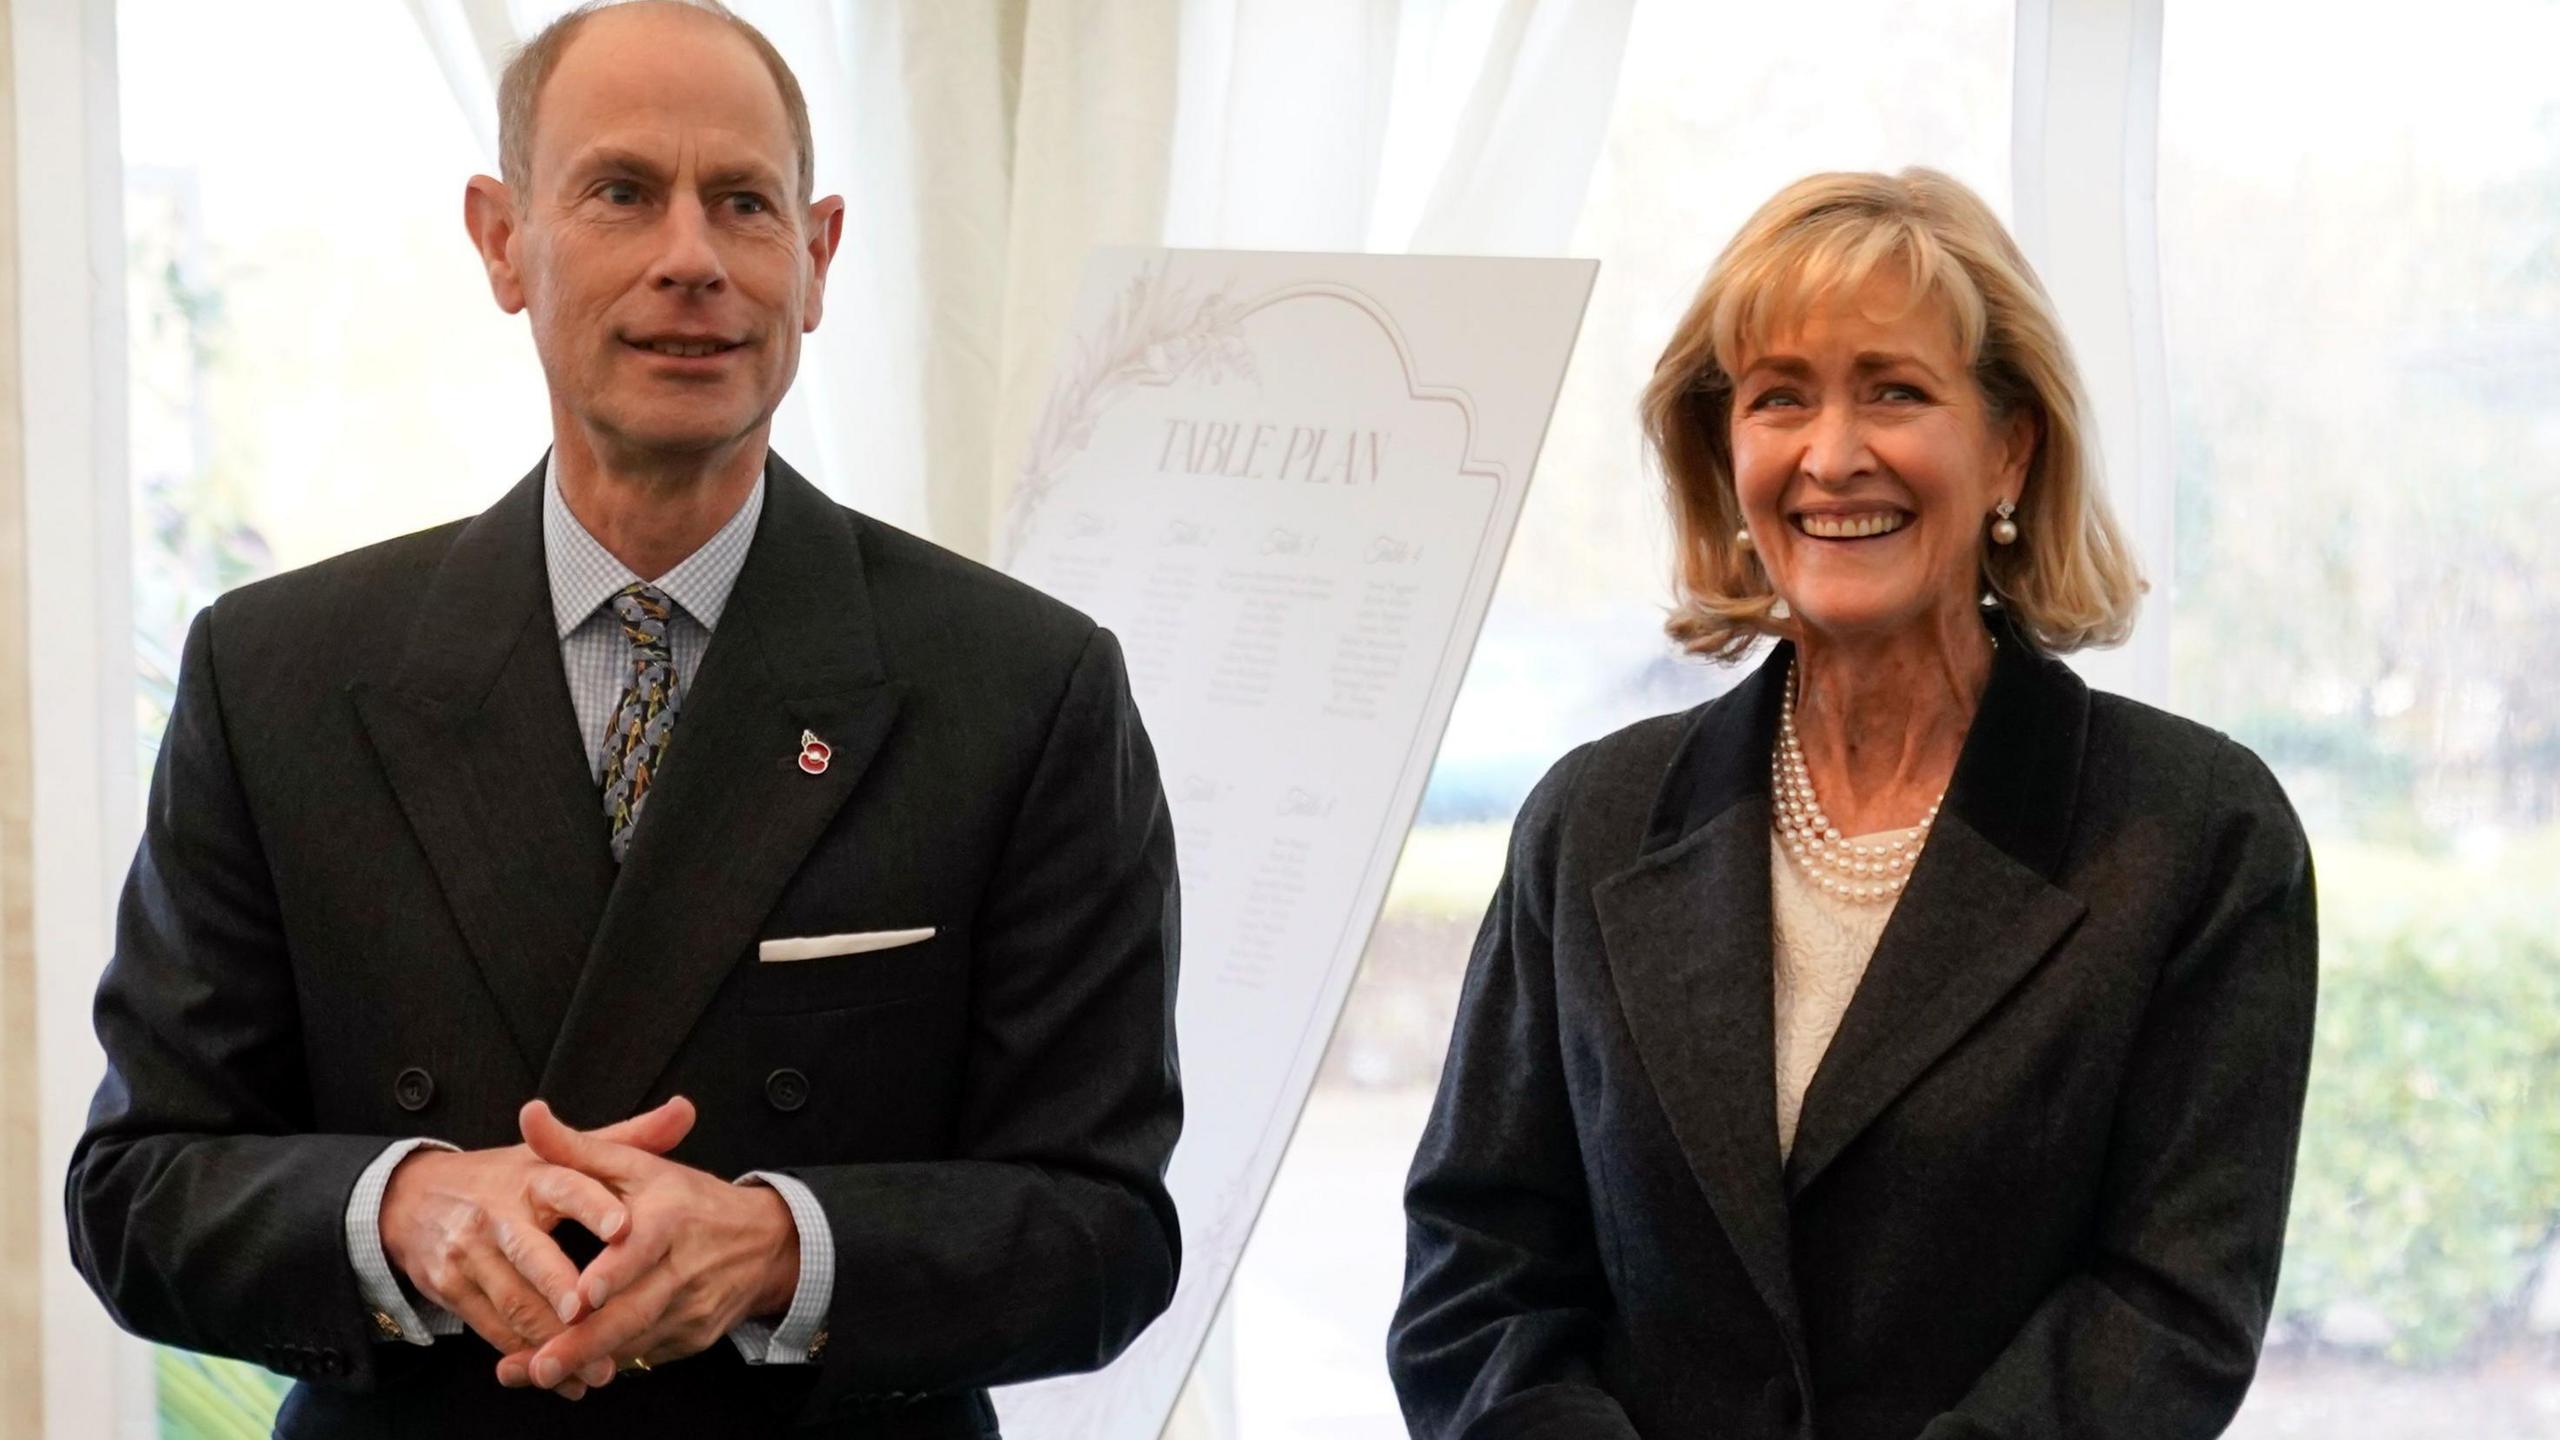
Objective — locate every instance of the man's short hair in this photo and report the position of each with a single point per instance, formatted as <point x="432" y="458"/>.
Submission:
<point x="529" y="68"/>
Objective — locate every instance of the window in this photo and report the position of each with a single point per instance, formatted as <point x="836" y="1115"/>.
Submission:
<point x="2360" y="255"/>
<point x="315" y="360"/>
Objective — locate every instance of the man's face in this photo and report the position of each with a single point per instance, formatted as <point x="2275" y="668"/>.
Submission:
<point x="661" y="248"/>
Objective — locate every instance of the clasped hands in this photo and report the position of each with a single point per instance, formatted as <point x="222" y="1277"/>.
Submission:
<point x="687" y="1255"/>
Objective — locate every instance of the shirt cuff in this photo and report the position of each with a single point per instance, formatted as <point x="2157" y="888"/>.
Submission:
<point x="394" y="1318"/>
<point x="801" y="1337"/>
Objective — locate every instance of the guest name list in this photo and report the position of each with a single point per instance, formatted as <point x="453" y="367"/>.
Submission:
<point x="1286" y="483"/>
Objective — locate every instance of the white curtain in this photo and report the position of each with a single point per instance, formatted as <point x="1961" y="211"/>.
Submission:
<point x="2085" y="145"/>
<point x="1433" y="126"/>
<point x="68" y="772"/>
<point x="1000" y="140"/>
<point x="469" y="39"/>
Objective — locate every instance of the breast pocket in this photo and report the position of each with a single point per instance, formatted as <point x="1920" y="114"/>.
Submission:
<point x="799" y="974"/>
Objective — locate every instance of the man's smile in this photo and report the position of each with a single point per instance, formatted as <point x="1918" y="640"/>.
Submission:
<point x="683" y="346"/>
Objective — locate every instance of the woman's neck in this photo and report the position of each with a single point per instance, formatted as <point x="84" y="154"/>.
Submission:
<point x="1881" y="719"/>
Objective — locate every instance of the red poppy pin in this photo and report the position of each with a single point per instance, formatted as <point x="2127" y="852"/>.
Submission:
<point x="814" y="753"/>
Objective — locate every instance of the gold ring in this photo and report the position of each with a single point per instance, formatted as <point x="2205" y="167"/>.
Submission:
<point x="634" y="1363"/>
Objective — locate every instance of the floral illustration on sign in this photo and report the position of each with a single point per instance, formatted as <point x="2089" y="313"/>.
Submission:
<point x="1159" y="331"/>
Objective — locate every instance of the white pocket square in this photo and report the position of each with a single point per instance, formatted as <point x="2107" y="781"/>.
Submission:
<point x="820" y="947"/>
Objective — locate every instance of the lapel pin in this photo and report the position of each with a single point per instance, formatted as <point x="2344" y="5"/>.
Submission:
<point x="814" y="753"/>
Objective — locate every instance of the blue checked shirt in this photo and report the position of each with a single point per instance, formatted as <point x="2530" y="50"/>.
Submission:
<point x="594" y="655"/>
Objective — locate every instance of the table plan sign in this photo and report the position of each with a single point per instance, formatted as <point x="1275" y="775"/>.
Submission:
<point x="1286" y="482"/>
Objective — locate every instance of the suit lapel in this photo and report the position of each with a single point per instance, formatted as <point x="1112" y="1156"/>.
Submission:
<point x="731" y="815"/>
<point x="476" y="734"/>
<point x="1979" y="913"/>
<point x="1686" y="936"/>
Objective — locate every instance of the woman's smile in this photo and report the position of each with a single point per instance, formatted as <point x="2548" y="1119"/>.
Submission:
<point x="1850" y="526"/>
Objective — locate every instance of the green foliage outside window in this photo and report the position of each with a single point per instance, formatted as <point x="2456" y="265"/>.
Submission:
<point x="205" y="1398"/>
<point x="2428" y="1191"/>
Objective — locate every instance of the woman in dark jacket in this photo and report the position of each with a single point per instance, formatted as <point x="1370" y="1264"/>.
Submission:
<point x="1910" y="1042"/>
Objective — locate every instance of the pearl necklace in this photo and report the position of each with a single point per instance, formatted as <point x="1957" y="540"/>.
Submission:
<point x="1845" y="868"/>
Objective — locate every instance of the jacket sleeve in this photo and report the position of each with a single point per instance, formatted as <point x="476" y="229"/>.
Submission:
<point x="1503" y="1290"/>
<point x="199" y="1208"/>
<point x="2157" y="1337"/>
<point x="1049" y="1241"/>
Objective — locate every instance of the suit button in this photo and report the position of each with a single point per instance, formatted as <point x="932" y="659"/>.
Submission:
<point x="332" y="1363"/>
<point x="1780" y="1399"/>
<point x="786" y="1089"/>
<point x="414" y="1089"/>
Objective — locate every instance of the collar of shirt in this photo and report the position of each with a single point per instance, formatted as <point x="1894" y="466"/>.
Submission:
<point x="584" y="574"/>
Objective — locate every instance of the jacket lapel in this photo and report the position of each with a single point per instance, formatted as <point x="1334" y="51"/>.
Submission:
<point x="1686" y="932"/>
<point x="475" y="732"/>
<point x="1686" y="937"/>
<point x="1980" y="910"/>
<point x="731" y="815"/>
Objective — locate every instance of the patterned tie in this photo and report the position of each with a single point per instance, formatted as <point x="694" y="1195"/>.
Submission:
<point x="636" y="745"/>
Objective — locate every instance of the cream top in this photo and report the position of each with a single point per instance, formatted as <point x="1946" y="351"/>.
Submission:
<point x="1821" y="945"/>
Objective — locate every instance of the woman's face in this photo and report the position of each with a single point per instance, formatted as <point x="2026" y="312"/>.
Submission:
<point x="1868" y="465"/>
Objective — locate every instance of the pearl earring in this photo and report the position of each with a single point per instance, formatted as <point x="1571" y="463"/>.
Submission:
<point x="1742" y="537"/>
<point x="2004" y="531"/>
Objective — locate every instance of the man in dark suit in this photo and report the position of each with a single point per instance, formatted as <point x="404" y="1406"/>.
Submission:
<point x="669" y="923"/>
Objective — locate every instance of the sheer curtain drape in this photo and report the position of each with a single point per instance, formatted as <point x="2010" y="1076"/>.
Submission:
<point x="66" y="757"/>
<point x="2085" y="148"/>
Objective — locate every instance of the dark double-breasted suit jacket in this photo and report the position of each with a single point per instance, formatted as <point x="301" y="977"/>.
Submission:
<point x="374" y="899"/>
<point x="2038" y="1187"/>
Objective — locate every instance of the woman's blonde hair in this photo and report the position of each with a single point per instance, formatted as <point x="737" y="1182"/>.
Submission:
<point x="2069" y="581"/>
